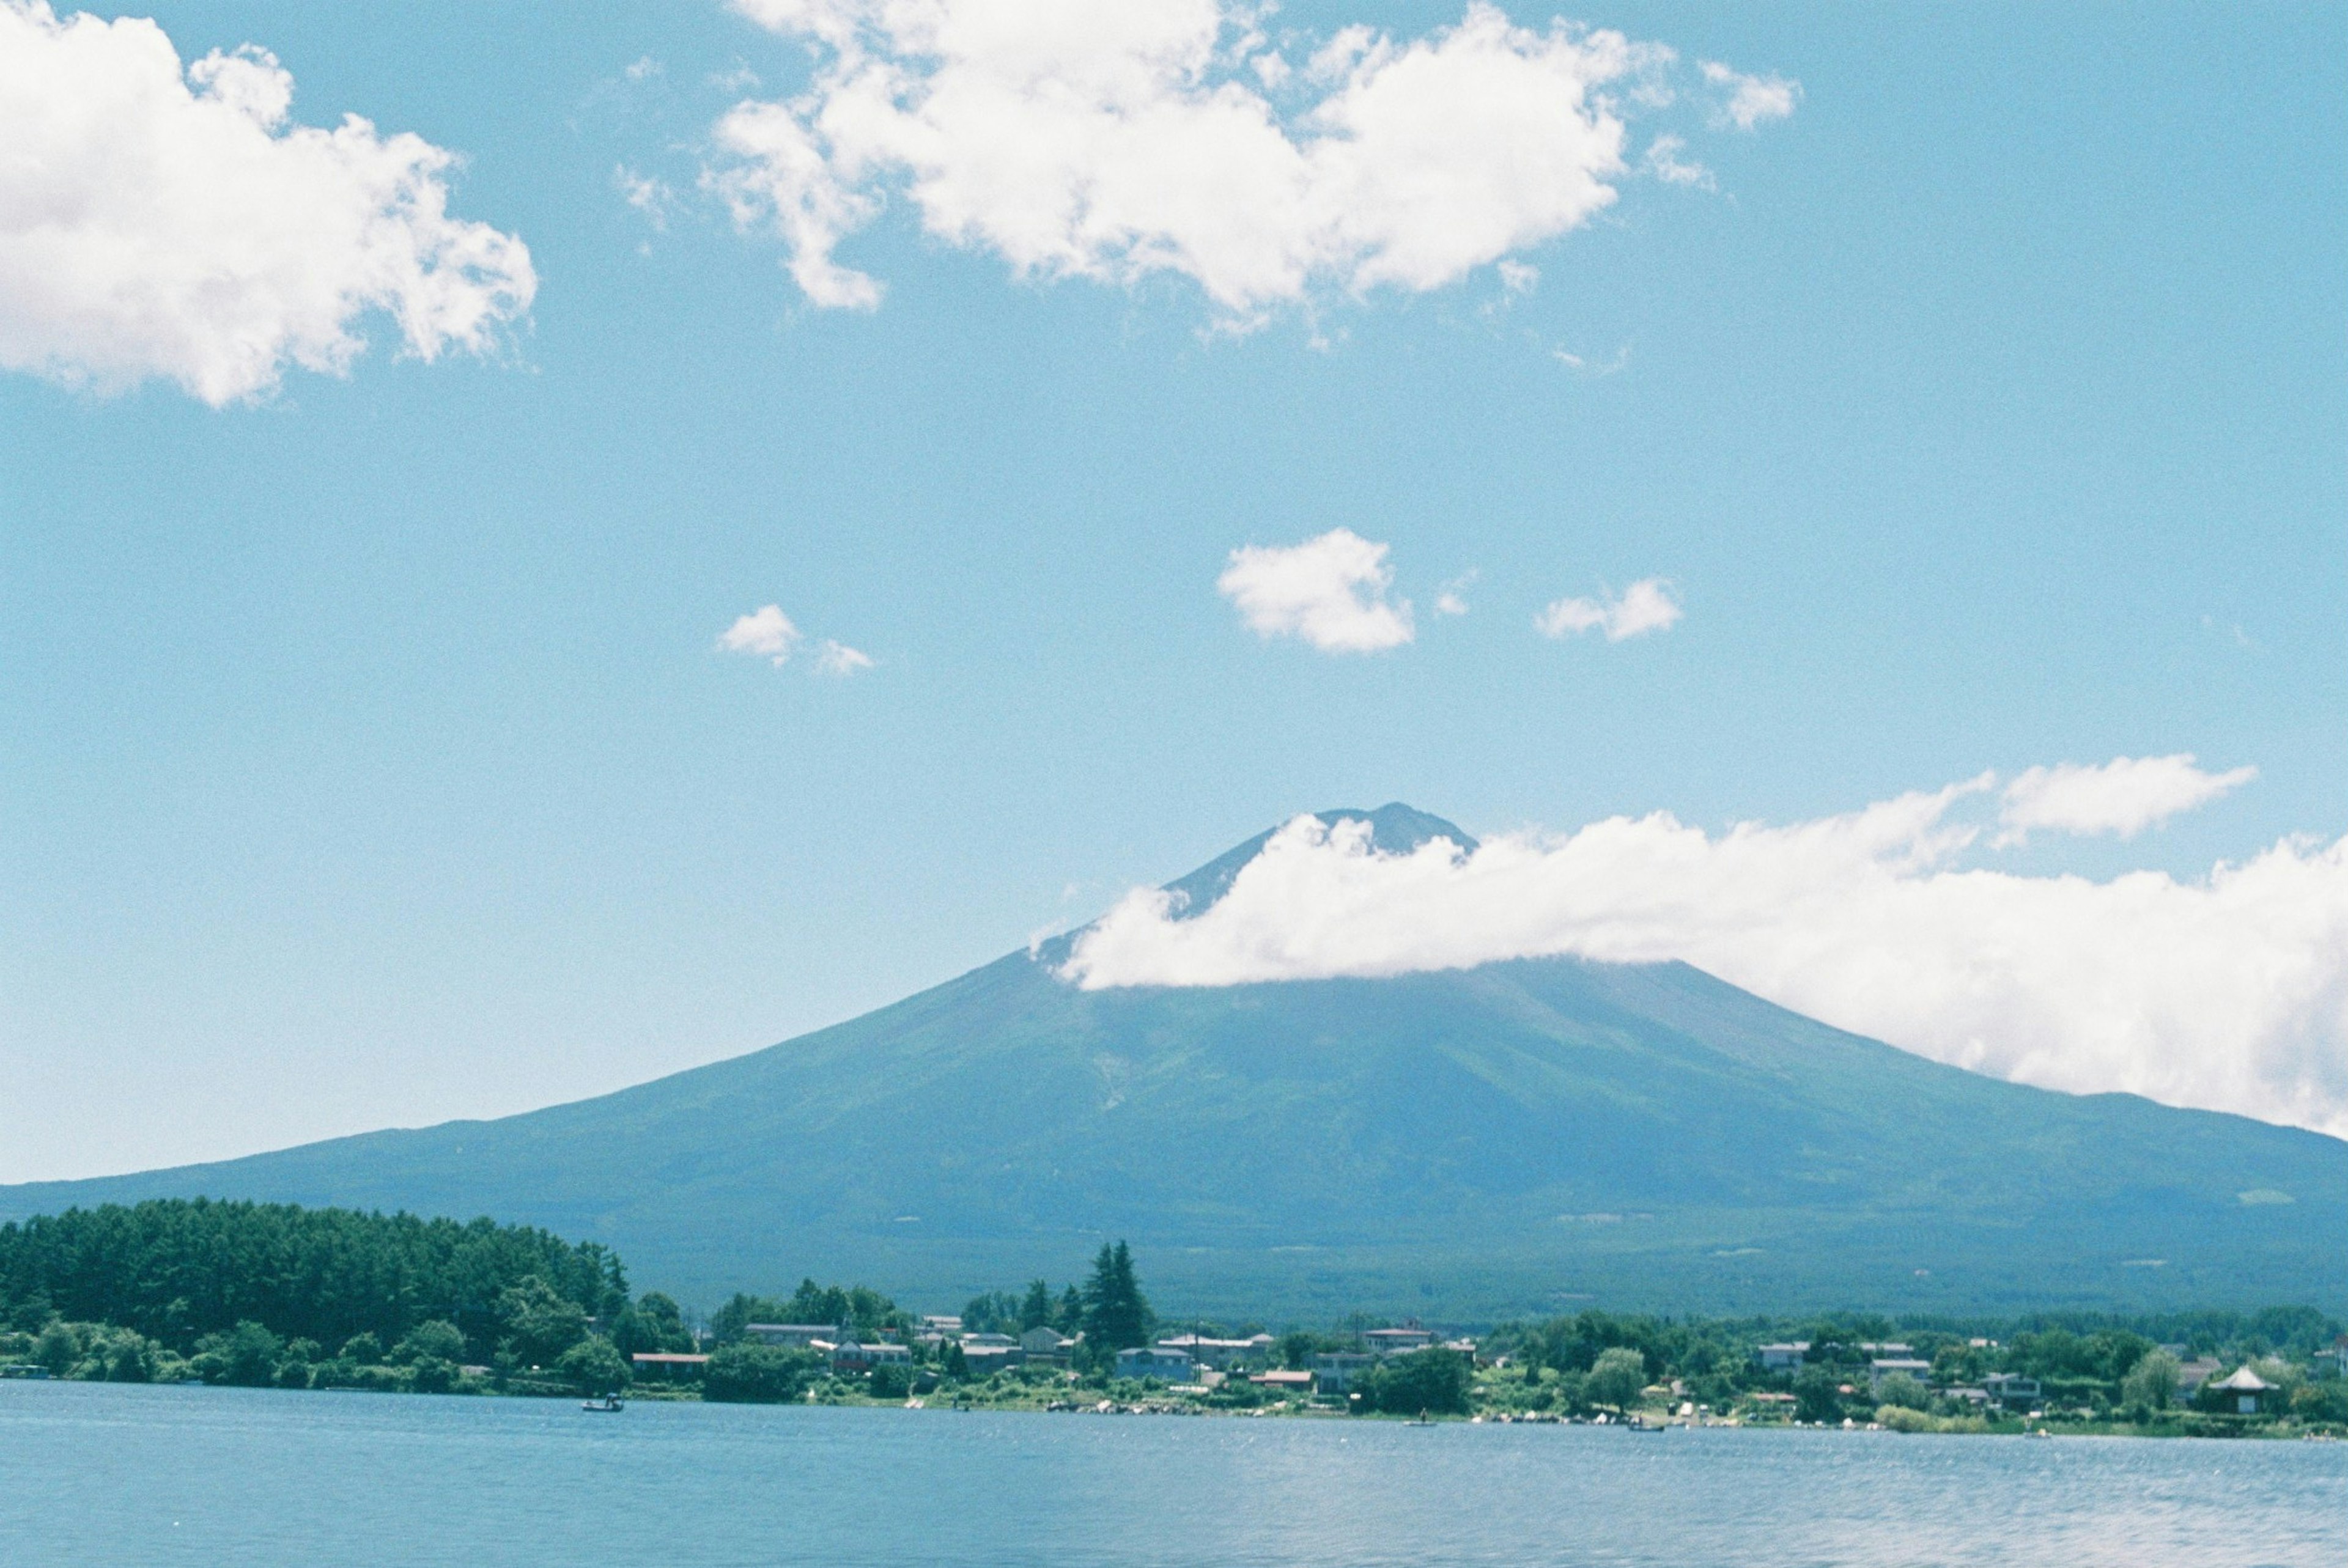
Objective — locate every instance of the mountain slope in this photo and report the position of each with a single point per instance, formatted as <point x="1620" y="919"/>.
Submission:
<point x="1504" y="1138"/>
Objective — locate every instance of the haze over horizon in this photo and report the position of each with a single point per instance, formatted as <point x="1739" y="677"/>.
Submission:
<point x="671" y="531"/>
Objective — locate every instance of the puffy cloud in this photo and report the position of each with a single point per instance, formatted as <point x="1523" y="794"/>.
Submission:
<point x="2228" y="991"/>
<point x="1752" y="100"/>
<point x="1645" y="606"/>
<point x="2125" y="796"/>
<point x="1117" y="141"/>
<point x="162" y="221"/>
<point x="765" y="631"/>
<point x="1331" y="591"/>
<point x="839" y="659"/>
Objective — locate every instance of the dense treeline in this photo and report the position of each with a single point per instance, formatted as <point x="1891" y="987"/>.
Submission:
<point x="176" y="1271"/>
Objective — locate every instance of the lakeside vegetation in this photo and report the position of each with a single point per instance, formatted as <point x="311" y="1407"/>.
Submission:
<point x="276" y="1296"/>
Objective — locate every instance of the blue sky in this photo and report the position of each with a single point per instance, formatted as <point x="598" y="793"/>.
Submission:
<point x="370" y="758"/>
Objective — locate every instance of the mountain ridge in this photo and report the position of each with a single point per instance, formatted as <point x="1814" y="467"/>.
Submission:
<point x="1476" y="1143"/>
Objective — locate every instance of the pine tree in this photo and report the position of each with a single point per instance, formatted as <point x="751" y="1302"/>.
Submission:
<point x="1035" y="1312"/>
<point x="1116" y="1315"/>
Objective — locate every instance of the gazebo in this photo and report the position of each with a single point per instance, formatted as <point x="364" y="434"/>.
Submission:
<point x="2250" y="1390"/>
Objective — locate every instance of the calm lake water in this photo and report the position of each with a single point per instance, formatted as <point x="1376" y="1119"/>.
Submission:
<point x="129" y="1476"/>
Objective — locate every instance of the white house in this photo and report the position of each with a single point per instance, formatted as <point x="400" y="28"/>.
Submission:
<point x="1223" y="1355"/>
<point x="1884" y="1367"/>
<point x="802" y="1334"/>
<point x="1785" y="1358"/>
<point x="1394" y="1341"/>
<point x="1045" y="1344"/>
<point x="850" y="1356"/>
<point x="1333" y="1371"/>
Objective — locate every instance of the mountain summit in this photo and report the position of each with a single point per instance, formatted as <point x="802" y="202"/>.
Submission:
<point x="1470" y="1143"/>
<point x="1395" y="829"/>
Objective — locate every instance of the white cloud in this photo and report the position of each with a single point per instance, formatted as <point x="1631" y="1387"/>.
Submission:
<point x="1452" y="597"/>
<point x="765" y="631"/>
<point x="2125" y="796"/>
<point x="2228" y="991"/>
<point x="157" y="222"/>
<point x="647" y="195"/>
<point x="1664" y="161"/>
<point x="1752" y="100"/>
<point x="1331" y="591"/>
<point x="839" y="659"/>
<point x="1118" y="141"/>
<point x="1645" y="606"/>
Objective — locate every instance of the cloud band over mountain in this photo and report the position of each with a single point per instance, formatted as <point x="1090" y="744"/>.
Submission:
<point x="2226" y="992"/>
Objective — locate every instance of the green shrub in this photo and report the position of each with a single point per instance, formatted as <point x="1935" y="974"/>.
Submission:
<point x="1434" y="1381"/>
<point x="759" y="1374"/>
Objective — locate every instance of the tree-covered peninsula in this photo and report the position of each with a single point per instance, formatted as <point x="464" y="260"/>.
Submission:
<point x="278" y="1295"/>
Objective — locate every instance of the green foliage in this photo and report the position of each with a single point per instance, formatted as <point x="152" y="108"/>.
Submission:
<point x="653" y="1324"/>
<point x="436" y="1339"/>
<point x="1905" y="1392"/>
<point x="991" y="1312"/>
<point x="889" y="1382"/>
<point x="860" y="1309"/>
<point x="2151" y="1384"/>
<point x="760" y="1374"/>
<point x="537" y="1323"/>
<point x="362" y="1350"/>
<point x="58" y="1348"/>
<point x="1035" y="1311"/>
<point x="1817" y="1397"/>
<point x="178" y="1271"/>
<point x="1432" y="1381"/>
<point x="1116" y="1315"/>
<point x="1616" y="1378"/>
<point x="592" y="1366"/>
<point x="247" y="1357"/>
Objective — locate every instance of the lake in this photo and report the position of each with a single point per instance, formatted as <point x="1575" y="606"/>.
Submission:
<point x="118" y="1475"/>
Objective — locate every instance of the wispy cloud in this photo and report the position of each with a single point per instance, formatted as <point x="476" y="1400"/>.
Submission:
<point x="1331" y="591"/>
<point x="1452" y="597"/>
<point x="2123" y="796"/>
<point x="1645" y="606"/>
<point x="839" y="659"/>
<point x="2228" y="991"/>
<point x="651" y="196"/>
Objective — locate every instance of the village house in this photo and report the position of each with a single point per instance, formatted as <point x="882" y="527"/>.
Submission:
<point x="1221" y="1354"/>
<point x="1044" y="1346"/>
<point x="2191" y="1374"/>
<point x="1784" y="1358"/>
<point x="2012" y="1390"/>
<point x="1394" y="1341"/>
<point x="1884" y="1367"/>
<point x="850" y="1356"/>
<point x="1155" y="1361"/>
<point x="1282" y="1380"/>
<point x="1333" y="1371"/>
<point x="666" y="1366"/>
<point x="981" y="1360"/>
<point x="797" y="1336"/>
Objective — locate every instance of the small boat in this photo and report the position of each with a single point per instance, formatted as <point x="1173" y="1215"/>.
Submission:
<point x="609" y="1402"/>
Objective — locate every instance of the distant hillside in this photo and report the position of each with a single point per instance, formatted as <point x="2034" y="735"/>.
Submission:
<point x="1521" y="1136"/>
